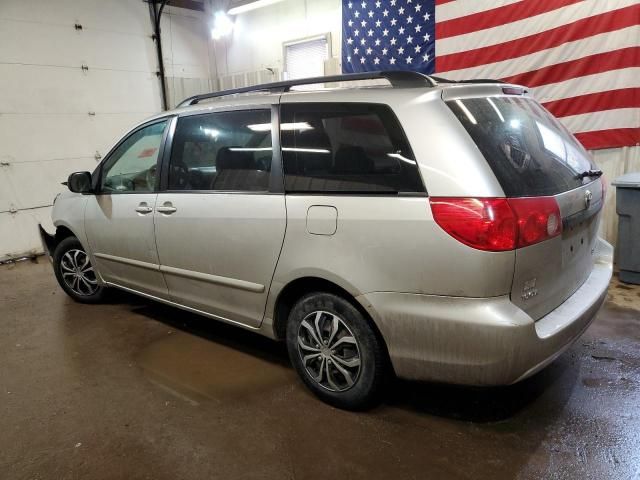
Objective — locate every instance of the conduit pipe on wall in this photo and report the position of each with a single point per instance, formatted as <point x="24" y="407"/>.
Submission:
<point x="156" y="15"/>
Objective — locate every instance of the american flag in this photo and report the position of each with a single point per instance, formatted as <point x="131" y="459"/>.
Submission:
<point x="580" y="57"/>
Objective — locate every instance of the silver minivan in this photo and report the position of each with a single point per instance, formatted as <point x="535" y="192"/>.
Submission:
<point x="397" y="224"/>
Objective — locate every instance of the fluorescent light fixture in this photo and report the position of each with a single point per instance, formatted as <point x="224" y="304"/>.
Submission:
<point x="305" y="150"/>
<point x="259" y="127"/>
<point x="285" y="149"/>
<point x="301" y="126"/>
<point x="250" y="149"/>
<point x="247" y="7"/>
<point x="212" y="132"/>
<point x="222" y="26"/>
<point x="266" y="127"/>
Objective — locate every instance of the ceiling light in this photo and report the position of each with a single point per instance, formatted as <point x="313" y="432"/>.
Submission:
<point x="222" y="26"/>
<point x="212" y="132"/>
<point x="401" y="157"/>
<point x="247" y="7"/>
<point x="265" y="127"/>
<point x="250" y="149"/>
<point x="305" y="150"/>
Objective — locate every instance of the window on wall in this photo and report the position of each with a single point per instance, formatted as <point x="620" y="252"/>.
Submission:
<point x="222" y="151"/>
<point x="346" y="148"/>
<point x="306" y="58"/>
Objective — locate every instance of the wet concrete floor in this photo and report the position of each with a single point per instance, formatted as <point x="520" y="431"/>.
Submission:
<point x="133" y="389"/>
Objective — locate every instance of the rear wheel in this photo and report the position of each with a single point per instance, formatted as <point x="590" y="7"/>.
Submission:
<point x="335" y="351"/>
<point x="74" y="272"/>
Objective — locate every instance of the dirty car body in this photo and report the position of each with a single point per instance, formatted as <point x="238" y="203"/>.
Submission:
<point x="459" y="219"/>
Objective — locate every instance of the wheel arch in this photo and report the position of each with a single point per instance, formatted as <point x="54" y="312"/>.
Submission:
<point x="295" y="289"/>
<point x="63" y="232"/>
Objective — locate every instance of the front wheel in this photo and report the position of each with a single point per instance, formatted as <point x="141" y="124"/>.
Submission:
<point x="335" y="351"/>
<point x="74" y="272"/>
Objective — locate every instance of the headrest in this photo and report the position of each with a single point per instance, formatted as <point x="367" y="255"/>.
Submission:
<point x="352" y="159"/>
<point x="230" y="159"/>
<point x="313" y="138"/>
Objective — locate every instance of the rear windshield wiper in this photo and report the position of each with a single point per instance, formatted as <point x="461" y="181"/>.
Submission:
<point x="589" y="173"/>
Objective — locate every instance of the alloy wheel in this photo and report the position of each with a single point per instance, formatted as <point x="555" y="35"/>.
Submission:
<point x="329" y="351"/>
<point x="78" y="273"/>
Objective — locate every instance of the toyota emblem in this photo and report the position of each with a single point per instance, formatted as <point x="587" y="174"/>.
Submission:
<point x="588" y="196"/>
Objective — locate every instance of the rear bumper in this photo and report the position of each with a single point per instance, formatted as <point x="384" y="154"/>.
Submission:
<point x="482" y="341"/>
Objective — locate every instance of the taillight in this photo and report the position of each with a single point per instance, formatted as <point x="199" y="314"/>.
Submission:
<point x="482" y="223"/>
<point x="498" y="224"/>
<point x="538" y="219"/>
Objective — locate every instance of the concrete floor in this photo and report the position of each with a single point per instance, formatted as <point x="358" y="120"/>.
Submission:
<point x="134" y="389"/>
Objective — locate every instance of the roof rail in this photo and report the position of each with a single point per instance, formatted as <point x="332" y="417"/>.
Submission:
<point x="398" y="79"/>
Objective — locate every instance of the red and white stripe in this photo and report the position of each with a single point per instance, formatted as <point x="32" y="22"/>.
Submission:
<point x="580" y="57"/>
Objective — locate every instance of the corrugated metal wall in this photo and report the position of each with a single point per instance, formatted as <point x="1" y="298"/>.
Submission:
<point x="247" y="79"/>
<point x="57" y="117"/>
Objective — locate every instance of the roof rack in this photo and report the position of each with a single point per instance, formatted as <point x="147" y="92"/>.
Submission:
<point x="398" y="79"/>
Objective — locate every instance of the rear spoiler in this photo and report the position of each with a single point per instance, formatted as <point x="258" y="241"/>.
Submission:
<point x="473" y="80"/>
<point x="460" y="90"/>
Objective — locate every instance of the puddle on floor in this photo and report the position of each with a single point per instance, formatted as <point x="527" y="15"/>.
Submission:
<point x="195" y="367"/>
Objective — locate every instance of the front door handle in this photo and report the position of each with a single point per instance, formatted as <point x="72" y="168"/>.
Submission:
<point x="144" y="208"/>
<point x="166" y="209"/>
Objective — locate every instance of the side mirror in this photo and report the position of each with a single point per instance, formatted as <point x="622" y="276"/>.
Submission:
<point x="80" y="182"/>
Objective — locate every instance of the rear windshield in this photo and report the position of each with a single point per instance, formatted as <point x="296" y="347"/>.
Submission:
<point x="529" y="151"/>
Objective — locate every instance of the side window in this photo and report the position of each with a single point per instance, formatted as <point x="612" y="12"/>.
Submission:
<point x="346" y="148"/>
<point x="132" y="167"/>
<point x="222" y="151"/>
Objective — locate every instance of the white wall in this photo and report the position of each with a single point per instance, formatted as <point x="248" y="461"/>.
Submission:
<point x="186" y="50"/>
<point x="55" y="117"/>
<point x="256" y="42"/>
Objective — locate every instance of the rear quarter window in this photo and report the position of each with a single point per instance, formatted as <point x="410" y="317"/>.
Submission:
<point x="346" y="148"/>
<point x="529" y="151"/>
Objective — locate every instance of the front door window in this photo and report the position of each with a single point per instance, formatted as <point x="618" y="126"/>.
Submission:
<point x="132" y="168"/>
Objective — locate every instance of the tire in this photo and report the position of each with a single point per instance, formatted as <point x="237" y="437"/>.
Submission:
<point x="363" y="359"/>
<point x="75" y="273"/>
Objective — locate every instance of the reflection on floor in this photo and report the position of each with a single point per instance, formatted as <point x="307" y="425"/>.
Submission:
<point x="135" y="389"/>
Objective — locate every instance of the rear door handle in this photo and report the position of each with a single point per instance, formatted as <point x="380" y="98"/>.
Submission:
<point x="144" y="208"/>
<point x="166" y="209"/>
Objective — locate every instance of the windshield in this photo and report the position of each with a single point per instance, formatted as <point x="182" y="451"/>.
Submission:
<point x="529" y="151"/>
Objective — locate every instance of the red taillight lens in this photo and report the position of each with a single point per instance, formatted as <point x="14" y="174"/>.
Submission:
<point x="482" y="223"/>
<point x="538" y="219"/>
<point x="498" y="224"/>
